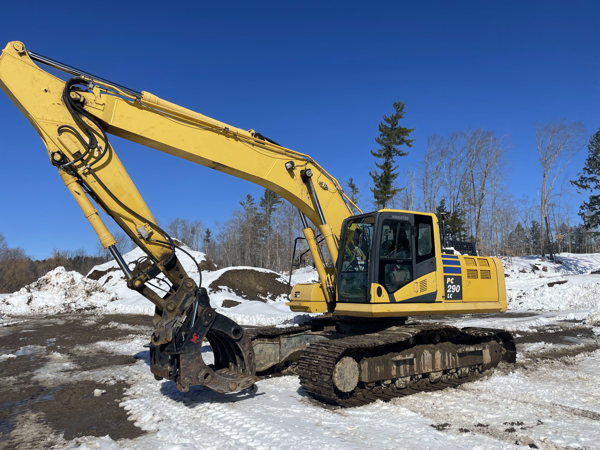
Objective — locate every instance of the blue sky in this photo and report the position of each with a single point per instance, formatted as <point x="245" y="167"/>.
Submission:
<point x="314" y="76"/>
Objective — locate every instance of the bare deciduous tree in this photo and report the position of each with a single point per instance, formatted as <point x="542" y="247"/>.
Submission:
<point x="454" y="169"/>
<point x="433" y="165"/>
<point x="408" y="193"/>
<point x="484" y="152"/>
<point x="268" y="203"/>
<point x="557" y="143"/>
<point x="187" y="231"/>
<point x="444" y="172"/>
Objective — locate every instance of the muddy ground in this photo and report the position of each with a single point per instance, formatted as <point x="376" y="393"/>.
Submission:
<point x="41" y="412"/>
<point x="67" y="409"/>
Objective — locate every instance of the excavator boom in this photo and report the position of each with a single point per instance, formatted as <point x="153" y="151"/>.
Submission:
<point x="74" y="119"/>
<point x="78" y="146"/>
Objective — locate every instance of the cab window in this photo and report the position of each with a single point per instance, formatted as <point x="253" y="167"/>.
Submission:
<point x="353" y="277"/>
<point x="395" y="255"/>
<point x="425" y="247"/>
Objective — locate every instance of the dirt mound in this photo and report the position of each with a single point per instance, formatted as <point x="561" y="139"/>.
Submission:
<point x="230" y="303"/>
<point x="251" y="284"/>
<point x="97" y="274"/>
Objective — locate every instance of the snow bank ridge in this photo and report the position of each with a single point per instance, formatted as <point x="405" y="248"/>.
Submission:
<point x="57" y="291"/>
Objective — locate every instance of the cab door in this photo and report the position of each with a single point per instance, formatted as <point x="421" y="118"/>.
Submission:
<point x="396" y="250"/>
<point x="405" y="252"/>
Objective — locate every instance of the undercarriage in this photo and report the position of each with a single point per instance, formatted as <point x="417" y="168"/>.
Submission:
<point x="339" y="361"/>
<point x="351" y="364"/>
<point x="398" y="361"/>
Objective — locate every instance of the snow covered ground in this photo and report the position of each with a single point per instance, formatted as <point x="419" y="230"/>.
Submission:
<point x="549" y="399"/>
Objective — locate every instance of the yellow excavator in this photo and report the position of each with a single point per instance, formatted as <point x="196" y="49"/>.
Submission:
<point x="385" y="266"/>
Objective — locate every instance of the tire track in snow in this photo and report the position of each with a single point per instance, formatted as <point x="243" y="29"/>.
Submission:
<point x="524" y="407"/>
<point x="239" y="422"/>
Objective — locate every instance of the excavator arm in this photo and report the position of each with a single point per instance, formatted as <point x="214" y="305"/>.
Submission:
<point x="74" y="118"/>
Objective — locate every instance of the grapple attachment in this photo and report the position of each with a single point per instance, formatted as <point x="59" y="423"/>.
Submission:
<point x="181" y="359"/>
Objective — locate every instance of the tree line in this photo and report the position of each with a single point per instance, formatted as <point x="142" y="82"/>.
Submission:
<point x="259" y="233"/>
<point x="463" y="174"/>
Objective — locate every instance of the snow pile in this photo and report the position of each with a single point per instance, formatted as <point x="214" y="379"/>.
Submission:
<point x="250" y="295"/>
<point x="248" y="283"/>
<point x="305" y="275"/>
<point x="56" y="292"/>
<point x="576" y="293"/>
<point x="253" y="308"/>
<point x="256" y="313"/>
<point x="536" y="284"/>
<point x="239" y="299"/>
<point x="529" y="267"/>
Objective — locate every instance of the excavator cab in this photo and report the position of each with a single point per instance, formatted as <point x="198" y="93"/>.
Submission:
<point x="386" y="249"/>
<point x="386" y="257"/>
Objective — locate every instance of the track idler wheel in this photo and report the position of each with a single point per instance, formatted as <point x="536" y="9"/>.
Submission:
<point x="346" y="374"/>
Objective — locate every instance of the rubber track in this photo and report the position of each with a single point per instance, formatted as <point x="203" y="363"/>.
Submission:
<point x="317" y="364"/>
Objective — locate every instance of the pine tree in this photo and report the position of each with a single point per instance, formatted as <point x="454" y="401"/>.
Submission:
<point x="534" y="236"/>
<point x="517" y="241"/>
<point x="207" y="239"/>
<point x="353" y="191"/>
<point x="391" y="137"/>
<point x="454" y="223"/>
<point x="589" y="180"/>
<point x="458" y="224"/>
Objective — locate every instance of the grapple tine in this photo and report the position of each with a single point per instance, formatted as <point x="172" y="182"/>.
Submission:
<point x="181" y="359"/>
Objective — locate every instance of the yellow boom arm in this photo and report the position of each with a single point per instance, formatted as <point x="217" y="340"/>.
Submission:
<point x="49" y="103"/>
<point x="73" y="119"/>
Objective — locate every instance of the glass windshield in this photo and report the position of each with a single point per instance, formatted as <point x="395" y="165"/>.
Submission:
<point x="353" y="277"/>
